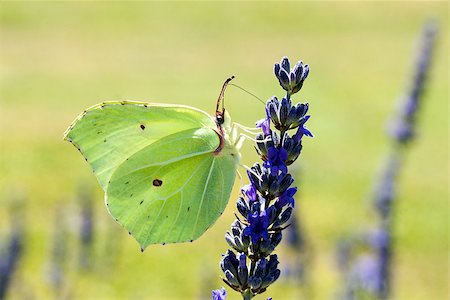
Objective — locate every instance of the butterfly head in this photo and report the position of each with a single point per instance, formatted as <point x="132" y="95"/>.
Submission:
<point x="223" y="119"/>
<point x="221" y="114"/>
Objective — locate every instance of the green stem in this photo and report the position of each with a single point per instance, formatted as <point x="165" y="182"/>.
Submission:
<point x="247" y="294"/>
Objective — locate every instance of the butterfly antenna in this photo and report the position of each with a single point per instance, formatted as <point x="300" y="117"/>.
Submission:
<point x="259" y="99"/>
<point x="222" y="92"/>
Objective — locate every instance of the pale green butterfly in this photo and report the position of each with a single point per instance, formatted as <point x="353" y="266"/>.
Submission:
<point x="167" y="170"/>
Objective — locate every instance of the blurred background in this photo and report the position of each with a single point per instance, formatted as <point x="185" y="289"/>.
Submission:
<point x="56" y="59"/>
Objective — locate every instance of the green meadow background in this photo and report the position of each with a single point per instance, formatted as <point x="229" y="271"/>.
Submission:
<point x="58" y="58"/>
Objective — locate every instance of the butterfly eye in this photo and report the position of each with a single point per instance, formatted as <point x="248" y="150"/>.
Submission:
<point x="219" y="119"/>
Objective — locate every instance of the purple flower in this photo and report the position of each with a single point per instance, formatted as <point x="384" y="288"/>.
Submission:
<point x="401" y="129"/>
<point x="276" y="160"/>
<point x="379" y="238"/>
<point x="264" y="124"/>
<point x="366" y="272"/>
<point x="250" y="191"/>
<point x="258" y="226"/>
<point x="409" y="106"/>
<point x="302" y="130"/>
<point x="219" y="294"/>
<point x="286" y="198"/>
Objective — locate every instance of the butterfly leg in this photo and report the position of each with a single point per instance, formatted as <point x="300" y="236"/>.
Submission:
<point x="240" y="177"/>
<point x="251" y="130"/>
<point x="240" y="140"/>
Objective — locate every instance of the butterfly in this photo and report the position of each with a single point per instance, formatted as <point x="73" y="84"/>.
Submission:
<point x="167" y="171"/>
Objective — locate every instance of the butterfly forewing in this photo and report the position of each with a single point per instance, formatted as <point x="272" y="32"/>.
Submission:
<point x="108" y="133"/>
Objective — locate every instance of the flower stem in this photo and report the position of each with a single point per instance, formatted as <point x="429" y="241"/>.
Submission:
<point x="247" y="294"/>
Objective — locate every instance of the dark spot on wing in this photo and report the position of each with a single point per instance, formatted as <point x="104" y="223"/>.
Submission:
<point x="142" y="249"/>
<point x="131" y="195"/>
<point x="142" y="126"/>
<point x="163" y="243"/>
<point x="188" y="208"/>
<point x="129" y="232"/>
<point x="104" y="141"/>
<point x="191" y="241"/>
<point x="157" y="182"/>
<point x="141" y="202"/>
<point x="167" y="216"/>
<point x="127" y="182"/>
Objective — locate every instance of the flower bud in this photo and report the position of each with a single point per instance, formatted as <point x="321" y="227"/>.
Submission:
<point x="242" y="269"/>
<point x="254" y="282"/>
<point x="242" y="206"/>
<point x="231" y="279"/>
<point x="291" y="80"/>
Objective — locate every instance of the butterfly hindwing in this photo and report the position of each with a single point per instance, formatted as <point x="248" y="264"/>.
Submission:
<point x="178" y="197"/>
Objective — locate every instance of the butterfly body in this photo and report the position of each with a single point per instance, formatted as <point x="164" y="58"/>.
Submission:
<point x="167" y="170"/>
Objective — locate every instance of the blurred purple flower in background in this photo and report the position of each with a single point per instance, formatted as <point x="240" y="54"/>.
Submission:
<point x="219" y="294"/>
<point x="369" y="275"/>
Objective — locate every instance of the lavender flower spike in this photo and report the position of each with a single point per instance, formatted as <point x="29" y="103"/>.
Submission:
<point x="267" y="203"/>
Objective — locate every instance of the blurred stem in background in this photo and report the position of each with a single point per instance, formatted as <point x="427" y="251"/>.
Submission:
<point x="12" y="247"/>
<point x="368" y="275"/>
<point x="296" y="241"/>
<point x="296" y="265"/>
<point x="9" y="259"/>
<point x="86" y="233"/>
<point x="57" y="264"/>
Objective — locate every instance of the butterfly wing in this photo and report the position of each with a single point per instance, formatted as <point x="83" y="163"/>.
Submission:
<point x="164" y="183"/>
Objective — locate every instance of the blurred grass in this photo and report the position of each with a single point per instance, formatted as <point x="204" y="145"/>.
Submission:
<point x="58" y="58"/>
